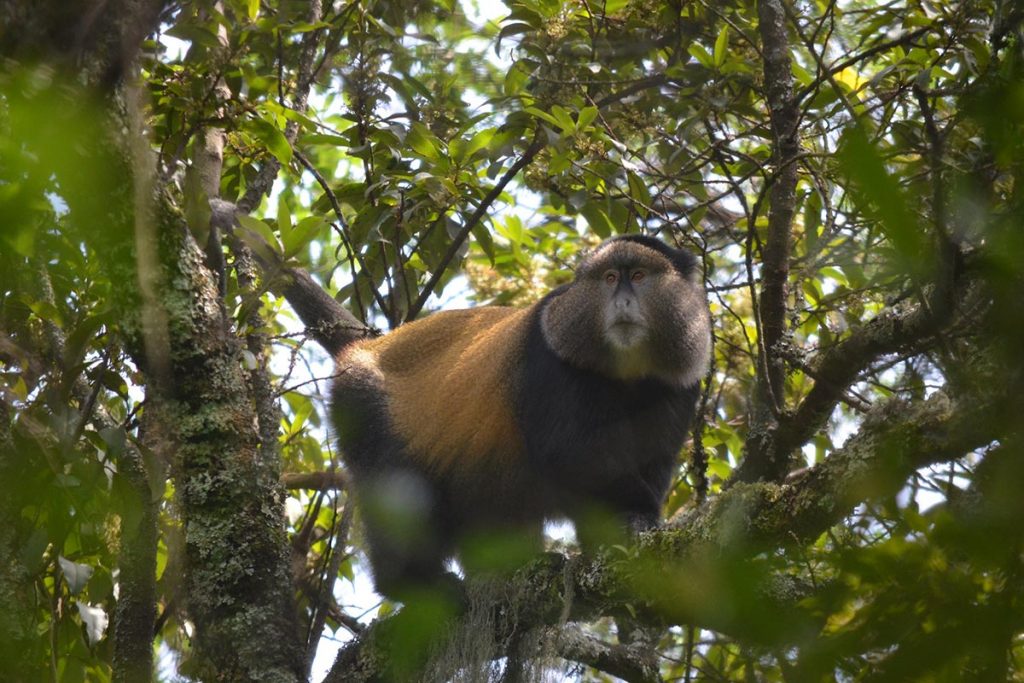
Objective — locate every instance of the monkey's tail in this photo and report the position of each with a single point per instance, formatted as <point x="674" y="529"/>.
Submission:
<point x="332" y="325"/>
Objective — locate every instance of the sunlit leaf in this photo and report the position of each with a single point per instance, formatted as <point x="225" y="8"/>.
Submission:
<point x="721" y="46"/>
<point x="75" y="574"/>
<point x="424" y="142"/>
<point x="541" y="114"/>
<point x="273" y="137"/>
<point x="95" y="620"/>
<point x="586" y="117"/>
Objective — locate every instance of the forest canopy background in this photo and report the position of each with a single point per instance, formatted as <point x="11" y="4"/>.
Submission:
<point x="184" y="232"/>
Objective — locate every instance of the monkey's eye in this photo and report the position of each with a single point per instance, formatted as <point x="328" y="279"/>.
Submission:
<point x="637" y="275"/>
<point x="611" y="277"/>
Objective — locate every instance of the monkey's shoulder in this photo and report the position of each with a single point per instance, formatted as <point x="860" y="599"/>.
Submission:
<point x="447" y="382"/>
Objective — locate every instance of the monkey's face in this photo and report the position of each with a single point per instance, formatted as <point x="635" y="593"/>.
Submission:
<point x="631" y="313"/>
<point x="625" y="314"/>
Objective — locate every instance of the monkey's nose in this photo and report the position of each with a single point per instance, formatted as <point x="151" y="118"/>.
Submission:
<point x="624" y="303"/>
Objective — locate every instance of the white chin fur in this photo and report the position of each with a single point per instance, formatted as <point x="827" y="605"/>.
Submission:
<point x="632" y="357"/>
<point x="625" y="337"/>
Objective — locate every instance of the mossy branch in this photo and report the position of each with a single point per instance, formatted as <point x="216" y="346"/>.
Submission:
<point x="685" y="572"/>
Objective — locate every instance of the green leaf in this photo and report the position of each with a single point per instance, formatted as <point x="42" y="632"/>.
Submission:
<point x="21" y="238"/>
<point x="31" y="553"/>
<point x="812" y="290"/>
<point x="423" y="142"/>
<point x="43" y="310"/>
<point x="721" y="46"/>
<point x="20" y="389"/>
<point x="197" y="35"/>
<point x="303" y="233"/>
<point x="386" y="28"/>
<point x="284" y="217"/>
<point x="836" y="275"/>
<point x="510" y="30"/>
<point x="564" y="118"/>
<point x="720" y="468"/>
<point x="586" y="117"/>
<point x="282" y="112"/>
<point x="559" y="162"/>
<point x="484" y="239"/>
<point x="598" y="220"/>
<point x="700" y="53"/>
<point x="401" y="86"/>
<point x="512" y="229"/>
<point x="479" y="141"/>
<point x="516" y="78"/>
<point x="639" y="192"/>
<point x="259" y="237"/>
<point x="541" y="114"/>
<point x="301" y="415"/>
<point x="273" y="137"/>
<point x="324" y="139"/>
<point x="802" y="75"/>
<point x="528" y="15"/>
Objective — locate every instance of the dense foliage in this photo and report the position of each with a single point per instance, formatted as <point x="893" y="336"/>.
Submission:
<point x="849" y="507"/>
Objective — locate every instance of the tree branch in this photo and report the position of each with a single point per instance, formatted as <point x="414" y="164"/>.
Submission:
<point x="326" y="320"/>
<point x="329" y="323"/>
<point x="898" y="41"/>
<point x="834" y="371"/>
<point x="631" y="663"/>
<point x="236" y="578"/>
<point x="785" y="116"/>
<point x="324" y="599"/>
<point x="895" y="440"/>
<point x="722" y="540"/>
<point x="264" y="180"/>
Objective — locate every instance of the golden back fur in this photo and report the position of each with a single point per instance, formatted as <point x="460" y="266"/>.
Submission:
<point x="446" y="379"/>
